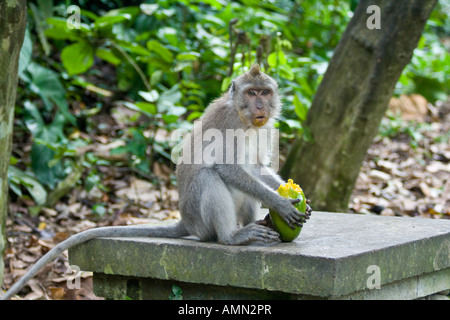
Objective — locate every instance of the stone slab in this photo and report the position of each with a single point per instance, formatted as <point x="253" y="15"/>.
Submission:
<point x="334" y="256"/>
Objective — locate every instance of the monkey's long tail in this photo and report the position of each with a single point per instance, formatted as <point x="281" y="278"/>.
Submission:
<point x="175" y="230"/>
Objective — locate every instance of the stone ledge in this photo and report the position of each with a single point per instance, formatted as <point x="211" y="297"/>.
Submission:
<point x="330" y="259"/>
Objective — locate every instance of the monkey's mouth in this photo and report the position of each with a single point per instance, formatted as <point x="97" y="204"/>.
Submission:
<point x="260" y="120"/>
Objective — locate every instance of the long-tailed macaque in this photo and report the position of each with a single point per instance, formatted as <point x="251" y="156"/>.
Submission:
<point x="219" y="198"/>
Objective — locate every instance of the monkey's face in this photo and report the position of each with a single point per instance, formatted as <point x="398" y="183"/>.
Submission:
<point x="258" y="102"/>
<point x="255" y="95"/>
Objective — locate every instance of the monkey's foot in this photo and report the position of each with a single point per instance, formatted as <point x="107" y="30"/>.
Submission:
<point x="252" y="232"/>
<point x="258" y="232"/>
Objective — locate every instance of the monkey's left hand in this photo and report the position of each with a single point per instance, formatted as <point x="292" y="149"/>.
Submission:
<point x="268" y="222"/>
<point x="308" y="209"/>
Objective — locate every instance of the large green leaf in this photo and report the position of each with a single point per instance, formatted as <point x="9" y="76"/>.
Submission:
<point x="147" y="107"/>
<point x="34" y="188"/>
<point x="108" y="56"/>
<point x="159" y="49"/>
<point x="276" y="58"/>
<point x="133" y="47"/>
<point x="59" y="30"/>
<point x="45" y="166"/>
<point x="32" y="118"/>
<point x="110" y="20"/>
<point x="300" y="109"/>
<point x="188" y="55"/>
<point x="173" y="95"/>
<point x="286" y="72"/>
<point x="78" y="57"/>
<point x="25" y="52"/>
<point x="46" y="84"/>
<point x="42" y="153"/>
<point x="47" y="174"/>
<point x="131" y="11"/>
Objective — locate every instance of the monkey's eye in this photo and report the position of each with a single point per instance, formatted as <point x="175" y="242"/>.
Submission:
<point x="252" y="93"/>
<point x="265" y="92"/>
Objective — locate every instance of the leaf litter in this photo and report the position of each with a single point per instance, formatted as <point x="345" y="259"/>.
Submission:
<point x="406" y="171"/>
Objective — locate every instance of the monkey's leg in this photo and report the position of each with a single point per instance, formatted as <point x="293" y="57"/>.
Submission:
<point x="248" y="211"/>
<point x="217" y="209"/>
<point x="235" y="176"/>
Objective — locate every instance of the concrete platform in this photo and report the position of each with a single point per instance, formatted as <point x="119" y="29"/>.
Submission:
<point x="336" y="256"/>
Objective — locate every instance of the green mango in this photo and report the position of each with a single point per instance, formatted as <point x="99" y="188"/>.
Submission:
<point x="292" y="191"/>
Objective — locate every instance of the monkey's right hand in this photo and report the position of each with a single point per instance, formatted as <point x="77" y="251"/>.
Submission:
<point x="290" y="214"/>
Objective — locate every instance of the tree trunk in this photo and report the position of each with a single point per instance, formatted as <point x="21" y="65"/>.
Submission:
<point x="352" y="99"/>
<point x="12" y="30"/>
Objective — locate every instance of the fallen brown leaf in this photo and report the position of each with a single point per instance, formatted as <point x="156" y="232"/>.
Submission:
<point x="57" y="293"/>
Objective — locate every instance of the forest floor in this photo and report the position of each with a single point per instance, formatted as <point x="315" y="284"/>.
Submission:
<point x="406" y="172"/>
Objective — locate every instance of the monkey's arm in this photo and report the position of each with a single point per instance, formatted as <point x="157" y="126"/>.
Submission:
<point x="176" y="230"/>
<point x="237" y="177"/>
<point x="268" y="176"/>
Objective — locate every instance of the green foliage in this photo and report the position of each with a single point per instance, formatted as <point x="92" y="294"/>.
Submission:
<point x="166" y="60"/>
<point x="428" y="72"/>
<point x="136" y="145"/>
<point x="77" y="57"/>
<point x="18" y="178"/>
<point x="394" y="126"/>
<point x="177" y="293"/>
